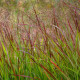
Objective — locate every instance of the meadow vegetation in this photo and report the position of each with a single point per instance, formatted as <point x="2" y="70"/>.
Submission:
<point x="40" y="40"/>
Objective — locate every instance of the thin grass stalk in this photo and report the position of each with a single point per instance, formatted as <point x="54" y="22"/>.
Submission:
<point x="48" y="71"/>
<point x="59" y="69"/>
<point x="45" y="69"/>
<point x="23" y="76"/>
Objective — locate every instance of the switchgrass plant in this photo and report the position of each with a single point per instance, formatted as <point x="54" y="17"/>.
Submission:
<point x="52" y="54"/>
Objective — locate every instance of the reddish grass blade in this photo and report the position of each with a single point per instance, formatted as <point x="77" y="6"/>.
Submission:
<point x="70" y="26"/>
<point x="12" y="66"/>
<point x="47" y="75"/>
<point x="58" y="53"/>
<point x="59" y="69"/>
<point x="56" y="66"/>
<point x="61" y="79"/>
<point x="36" y="17"/>
<point x="47" y="71"/>
<point x="38" y="21"/>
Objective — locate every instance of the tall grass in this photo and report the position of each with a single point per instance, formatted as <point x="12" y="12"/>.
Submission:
<point x="48" y="53"/>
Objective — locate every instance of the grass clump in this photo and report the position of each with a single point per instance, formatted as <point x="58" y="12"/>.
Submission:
<point x="39" y="50"/>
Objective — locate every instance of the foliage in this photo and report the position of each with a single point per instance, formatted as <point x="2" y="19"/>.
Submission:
<point x="35" y="50"/>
